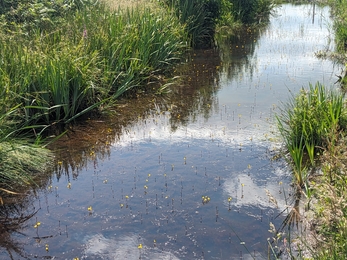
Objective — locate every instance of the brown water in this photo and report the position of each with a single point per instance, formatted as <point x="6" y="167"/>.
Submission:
<point x="184" y="175"/>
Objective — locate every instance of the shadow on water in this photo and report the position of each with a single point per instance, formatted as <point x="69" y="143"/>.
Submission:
<point x="193" y="174"/>
<point x="13" y="219"/>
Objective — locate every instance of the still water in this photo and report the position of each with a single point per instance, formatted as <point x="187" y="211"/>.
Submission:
<point x="190" y="175"/>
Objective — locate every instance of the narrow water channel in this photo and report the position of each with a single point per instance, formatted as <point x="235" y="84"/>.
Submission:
<point x="189" y="177"/>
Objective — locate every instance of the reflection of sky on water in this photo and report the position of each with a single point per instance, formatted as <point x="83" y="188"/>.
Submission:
<point x="150" y="185"/>
<point x="125" y="247"/>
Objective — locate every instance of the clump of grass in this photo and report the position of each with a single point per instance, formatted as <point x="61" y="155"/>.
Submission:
<point x="199" y="17"/>
<point x="252" y="11"/>
<point x="307" y="123"/>
<point x="20" y="159"/>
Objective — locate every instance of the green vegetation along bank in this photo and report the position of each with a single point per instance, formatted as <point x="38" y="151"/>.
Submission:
<point x="314" y="128"/>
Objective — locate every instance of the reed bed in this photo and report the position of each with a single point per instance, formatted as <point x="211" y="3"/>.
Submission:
<point x="96" y="56"/>
<point x="308" y="123"/>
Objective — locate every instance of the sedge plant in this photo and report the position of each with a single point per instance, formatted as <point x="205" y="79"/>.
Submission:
<point x="306" y="123"/>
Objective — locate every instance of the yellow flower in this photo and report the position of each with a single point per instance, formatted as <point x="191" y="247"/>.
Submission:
<point x="69" y="185"/>
<point x="90" y="208"/>
<point x="126" y="196"/>
<point x="60" y="162"/>
<point x="139" y="246"/>
<point x="37" y="224"/>
<point x="46" y="246"/>
<point x="229" y="199"/>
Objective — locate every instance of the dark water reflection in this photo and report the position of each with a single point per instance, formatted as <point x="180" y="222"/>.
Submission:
<point x="185" y="175"/>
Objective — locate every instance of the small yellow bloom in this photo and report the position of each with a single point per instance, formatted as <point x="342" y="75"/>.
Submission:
<point x="126" y="196"/>
<point x="139" y="246"/>
<point x="90" y="208"/>
<point x="69" y="185"/>
<point x="229" y="199"/>
<point x="60" y="162"/>
<point x="242" y="184"/>
<point x="145" y="187"/>
<point x="149" y="175"/>
<point x="121" y="205"/>
<point x="46" y="246"/>
<point x="37" y="224"/>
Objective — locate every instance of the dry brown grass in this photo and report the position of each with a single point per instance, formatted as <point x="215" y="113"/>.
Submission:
<point x="124" y="4"/>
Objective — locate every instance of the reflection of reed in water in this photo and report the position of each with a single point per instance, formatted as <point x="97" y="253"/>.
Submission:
<point x="291" y="220"/>
<point x="12" y="220"/>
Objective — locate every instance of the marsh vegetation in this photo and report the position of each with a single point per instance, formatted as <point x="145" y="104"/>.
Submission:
<point x="68" y="65"/>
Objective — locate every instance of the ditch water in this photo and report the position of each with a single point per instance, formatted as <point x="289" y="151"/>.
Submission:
<point x="187" y="175"/>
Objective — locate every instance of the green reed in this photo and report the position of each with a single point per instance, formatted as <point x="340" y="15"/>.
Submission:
<point x="307" y="123"/>
<point x="199" y="18"/>
<point x="340" y="24"/>
<point x="252" y="11"/>
<point x="94" y="57"/>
